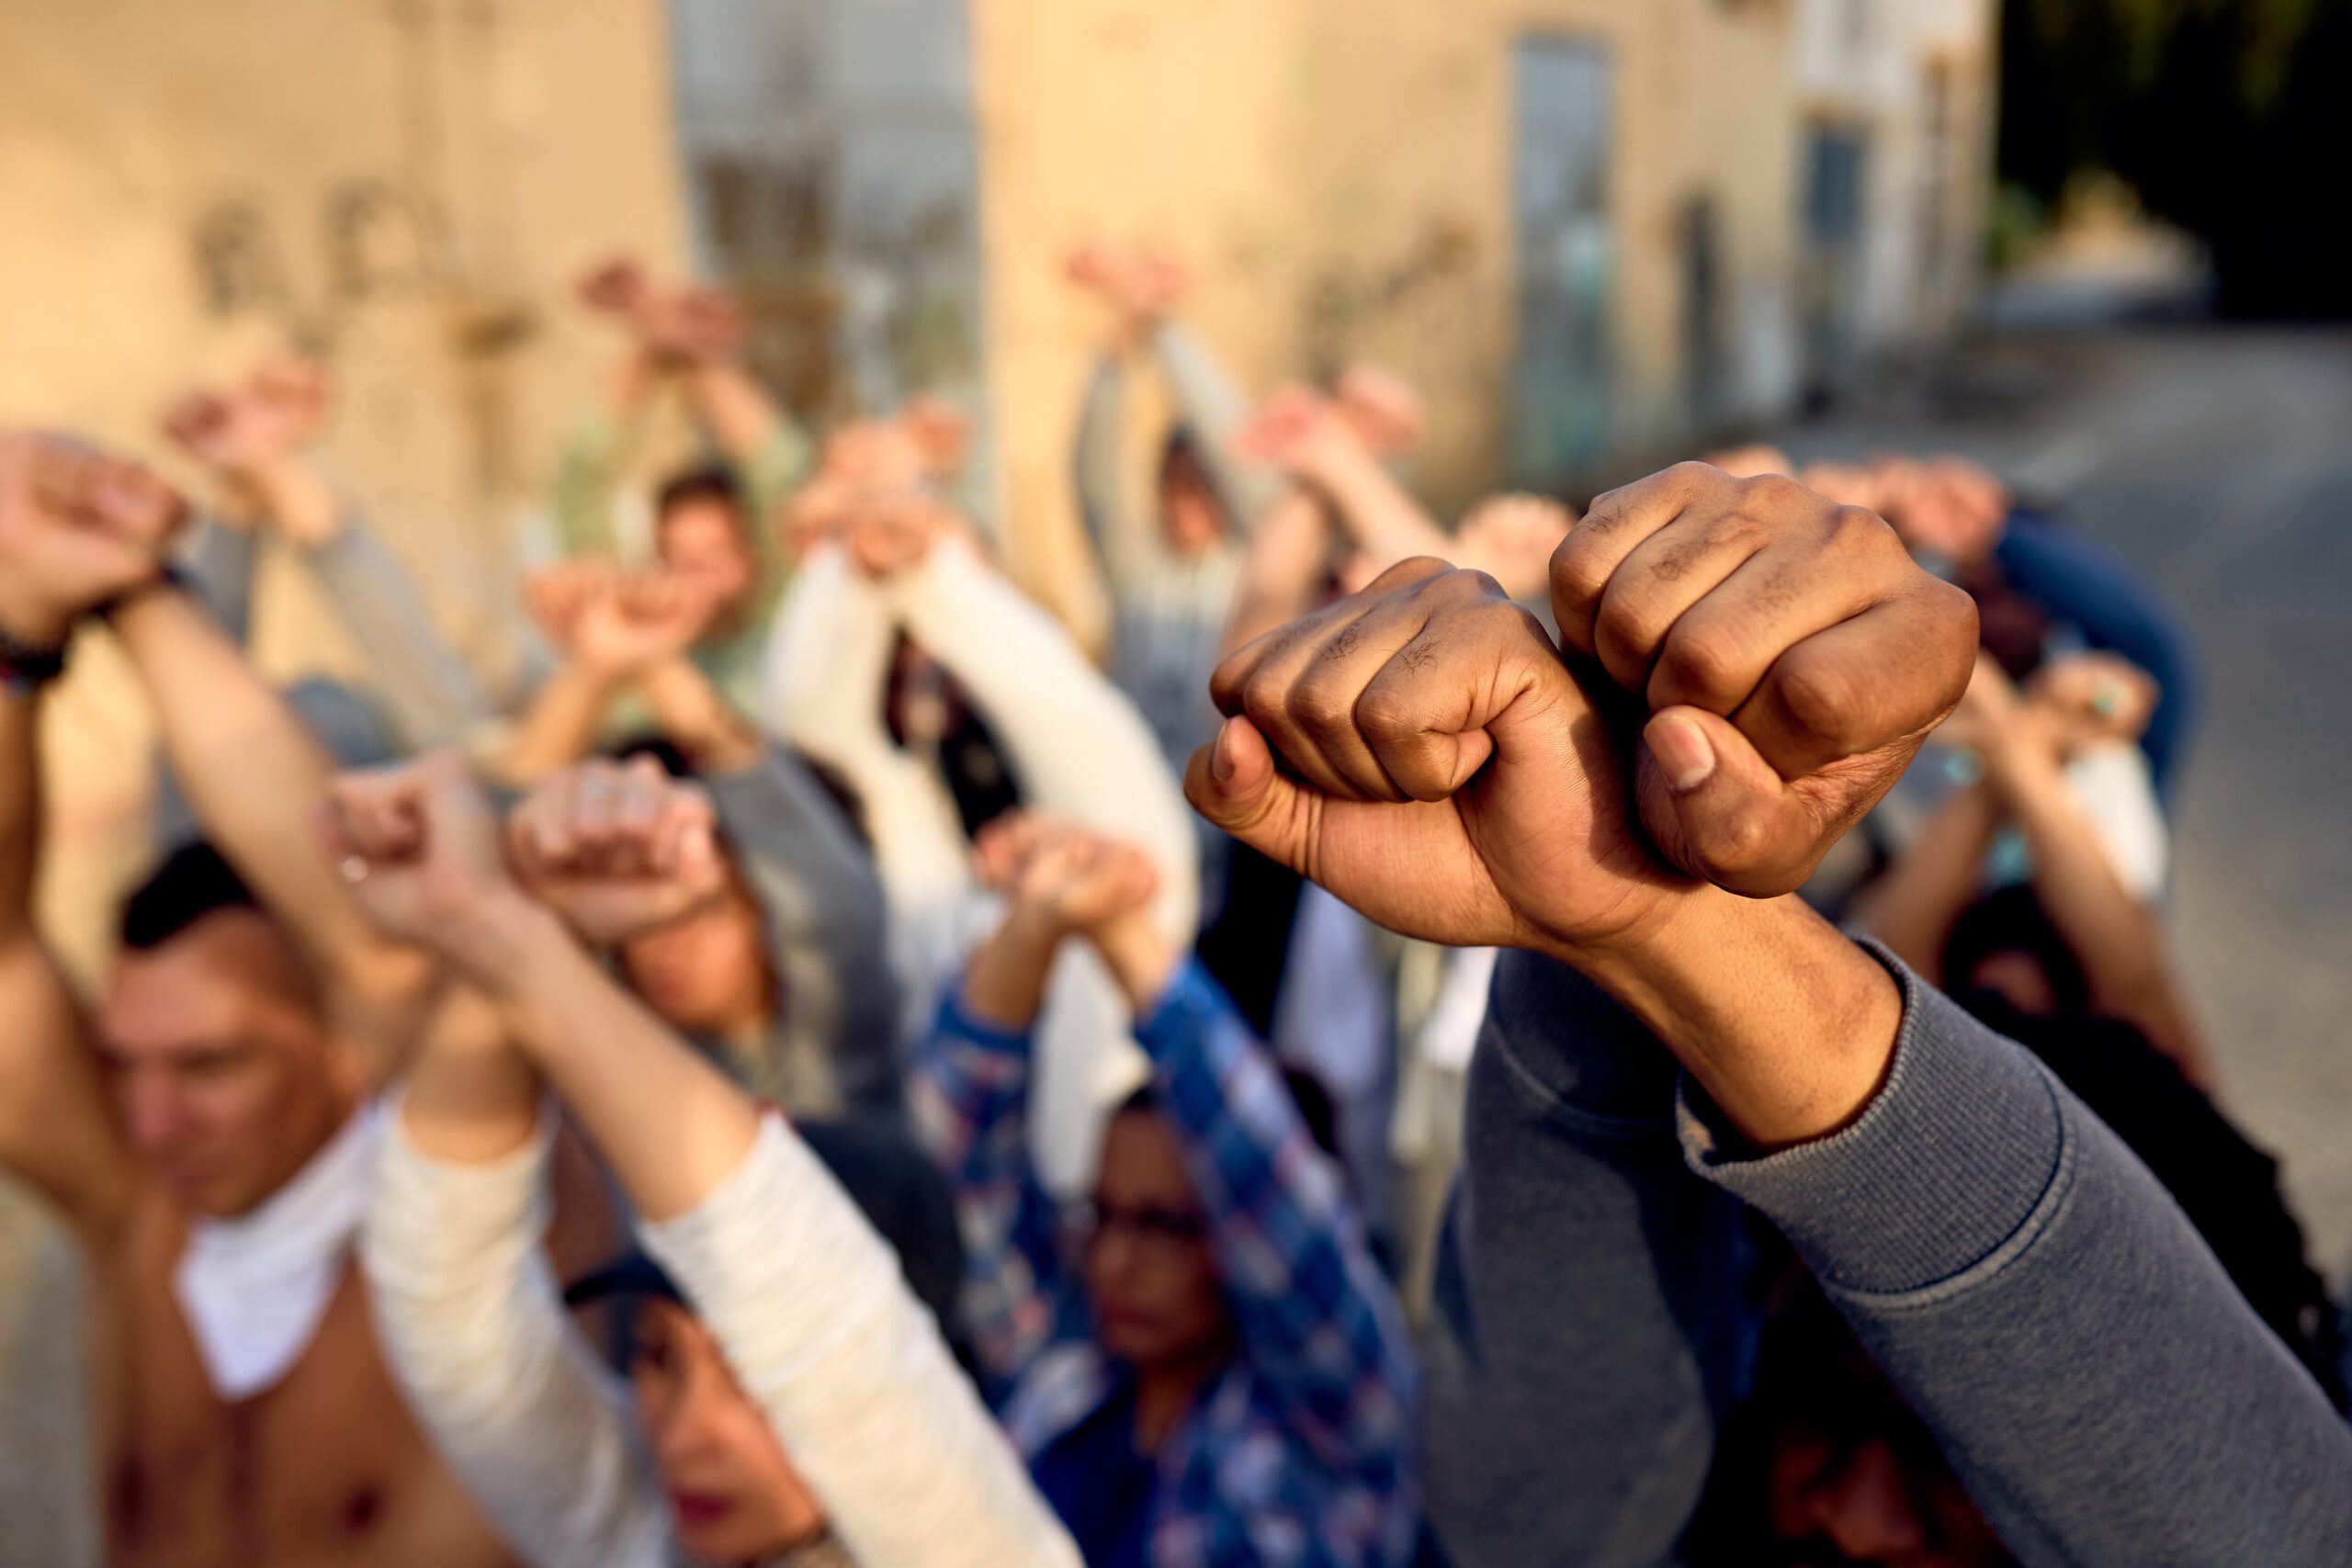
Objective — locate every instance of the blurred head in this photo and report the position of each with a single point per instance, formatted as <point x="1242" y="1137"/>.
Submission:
<point x="733" y="1496"/>
<point x="1850" y="1474"/>
<point x="2006" y="943"/>
<point x="708" y="974"/>
<point x="1149" y="1273"/>
<point x="1191" y="515"/>
<point x="702" y="533"/>
<point x="214" y="1038"/>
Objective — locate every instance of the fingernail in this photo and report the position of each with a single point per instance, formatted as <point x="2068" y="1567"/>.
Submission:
<point x="1684" y="753"/>
<point x="1221" y="759"/>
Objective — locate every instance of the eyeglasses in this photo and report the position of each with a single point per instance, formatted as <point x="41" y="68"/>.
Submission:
<point x="1153" y="1229"/>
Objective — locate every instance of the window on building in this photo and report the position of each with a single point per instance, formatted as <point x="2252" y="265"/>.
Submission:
<point x="1567" y="254"/>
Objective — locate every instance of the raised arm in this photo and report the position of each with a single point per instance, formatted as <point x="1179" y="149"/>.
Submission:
<point x="1319" y="1319"/>
<point x="595" y="457"/>
<point x="471" y="1315"/>
<point x="1470" y="791"/>
<point x="1313" y="441"/>
<point x="806" y="1301"/>
<point x="613" y="627"/>
<point x="73" y="535"/>
<point x="256" y="438"/>
<point x="1215" y="408"/>
<point x="1079" y="746"/>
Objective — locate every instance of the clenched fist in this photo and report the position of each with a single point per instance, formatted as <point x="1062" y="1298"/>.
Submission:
<point x="1454" y="776"/>
<point x="77" y="528"/>
<point x="618" y="850"/>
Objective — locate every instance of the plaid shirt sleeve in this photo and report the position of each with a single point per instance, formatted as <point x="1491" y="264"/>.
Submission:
<point x="969" y="1095"/>
<point x="1318" y="1318"/>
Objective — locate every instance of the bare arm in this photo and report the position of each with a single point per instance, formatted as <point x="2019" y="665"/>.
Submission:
<point x="2114" y="936"/>
<point x="56" y="1131"/>
<point x="255" y="777"/>
<point x="698" y="721"/>
<point x="1288" y="560"/>
<point x="1914" y="907"/>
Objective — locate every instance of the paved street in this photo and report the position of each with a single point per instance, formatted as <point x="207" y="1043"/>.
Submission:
<point x="2220" y="462"/>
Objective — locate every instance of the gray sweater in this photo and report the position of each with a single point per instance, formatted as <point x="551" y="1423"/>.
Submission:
<point x="2095" y="1380"/>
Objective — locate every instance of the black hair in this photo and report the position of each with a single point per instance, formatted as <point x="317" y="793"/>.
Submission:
<point x="711" y="482"/>
<point x="1313" y="1103"/>
<point x="661" y="748"/>
<point x="192" y="882"/>
<point x="2227" y="1187"/>
<point x="2014" y="921"/>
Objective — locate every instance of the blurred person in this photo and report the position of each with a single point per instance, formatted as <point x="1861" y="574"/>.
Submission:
<point x="2042" y="589"/>
<point x="1174" y="565"/>
<point x="1684" y="1050"/>
<point x="255" y="440"/>
<point x="2085" y="942"/>
<point x="791" y="1401"/>
<point x="204" y="1129"/>
<point x="715" y="525"/>
<point x="1220" y="1372"/>
<point x="786" y="979"/>
<point x="905" y="569"/>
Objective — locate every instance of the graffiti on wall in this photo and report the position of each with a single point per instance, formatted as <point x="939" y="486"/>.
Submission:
<point x="1422" y="289"/>
<point x="364" y="242"/>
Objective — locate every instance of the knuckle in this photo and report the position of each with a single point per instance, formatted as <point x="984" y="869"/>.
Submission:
<point x="1579" y="574"/>
<point x="1632" y="623"/>
<point x="1703" y="666"/>
<point x="1385" y="715"/>
<point x="1321" y="706"/>
<point x="1824" y="698"/>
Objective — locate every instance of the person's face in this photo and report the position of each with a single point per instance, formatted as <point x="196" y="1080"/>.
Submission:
<point x="706" y="972"/>
<point x="1848" y="1500"/>
<point x="703" y="541"/>
<point x="221" y="1067"/>
<point x="733" y="1496"/>
<point x="2019" y="980"/>
<point x="1189" y="512"/>
<point x="1149" y="1273"/>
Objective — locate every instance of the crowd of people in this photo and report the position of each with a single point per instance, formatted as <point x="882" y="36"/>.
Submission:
<point x="1641" y="1035"/>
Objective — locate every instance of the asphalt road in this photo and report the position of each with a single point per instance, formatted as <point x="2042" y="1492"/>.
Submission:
<point x="2219" y="461"/>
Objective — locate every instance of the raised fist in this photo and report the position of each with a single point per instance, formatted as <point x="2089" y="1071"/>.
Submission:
<point x="277" y="412"/>
<point x="709" y="323"/>
<point x="1943" y="506"/>
<point x="617" y="286"/>
<point x="76" y="529"/>
<point x="619" y="622"/>
<point x="1512" y="537"/>
<point x="618" y="850"/>
<point x="418" y="848"/>
<point x="1063" y="874"/>
<point x="1298" y="429"/>
<point x="1383" y="408"/>
<point x="2093" y="697"/>
<point x="1791" y="656"/>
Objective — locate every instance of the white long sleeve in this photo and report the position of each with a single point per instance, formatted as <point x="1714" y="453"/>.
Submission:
<point x="471" y="1322"/>
<point x="1079" y="745"/>
<point x="828" y="663"/>
<point x="809" y="1307"/>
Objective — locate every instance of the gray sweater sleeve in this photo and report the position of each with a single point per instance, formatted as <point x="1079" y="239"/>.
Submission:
<point x="1213" y="404"/>
<point x="1587" y="1323"/>
<point x="2094" y="1377"/>
<point x="1121" y="534"/>
<point x="822" y="901"/>
<point x="431" y="694"/>
<point x="219" y="562"/>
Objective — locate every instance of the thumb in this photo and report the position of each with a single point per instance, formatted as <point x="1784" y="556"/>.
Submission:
<point x="1233" y="783"/>
<point x="1715" y="808"/>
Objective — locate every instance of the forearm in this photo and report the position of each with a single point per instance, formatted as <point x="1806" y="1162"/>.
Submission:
<point x="1118" y="531"/>
<point x="1213" y="405"/>
<point x="254" y="775"/>
<point x="1139" y="958"/>
<point x="219" y="563"/>
<point x="433" y="697"/>
<point x="20" y="813"/>
<point x="736" y="409"/>
<point x="2010" y="1265"/>
<point x="1787" y="1025"/>
<point x="669" y="1123"/>
<point x="1288" y="562"/>
<point x="561" y="725"/>
<point x="297" y="500"/>
<point x="702" y="723"/>
<point x="2115" y="937"/>
<point x="1005" y="985"/>
<point x="1377" y="513"/>
<point x="1914" y="905"/>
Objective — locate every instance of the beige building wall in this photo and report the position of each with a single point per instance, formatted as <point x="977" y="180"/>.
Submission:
<point x="1340" y="174"/>
<point x="404" y="186"/>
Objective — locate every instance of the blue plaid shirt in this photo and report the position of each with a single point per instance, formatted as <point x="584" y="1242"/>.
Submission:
<point x="1297" y="1453"/>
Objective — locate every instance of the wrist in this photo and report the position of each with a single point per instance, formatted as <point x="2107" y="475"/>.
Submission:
<point x="497" y="939"/>
<point x="30" y="622"/>
<point x="1138" y="957"/>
